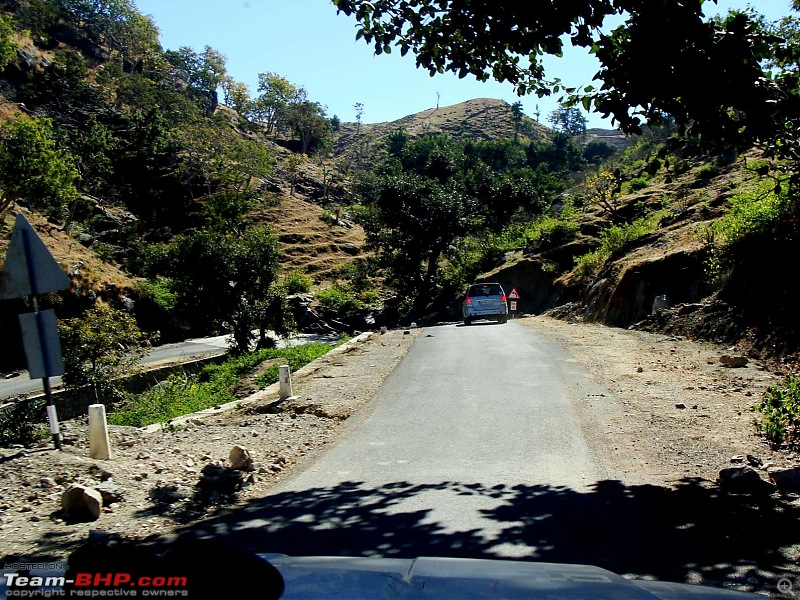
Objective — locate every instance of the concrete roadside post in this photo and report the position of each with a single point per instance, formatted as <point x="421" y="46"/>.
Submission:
<point x="99" y="445"/>
<point x="513" y="300"/>
<point x="285" y="378"/>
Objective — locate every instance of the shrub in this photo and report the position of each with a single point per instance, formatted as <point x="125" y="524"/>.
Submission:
<point x="634" y="185"/>
<point x="99" y="348"/>
<point x="328" y="217"/>
<point x="338" y="298"/>
<point x="779" y="418"/>
<point x="297" y="282"/>
<point x="614" y="239"/>
<point x="212" y="386"/>
<point x="20" y="423"/>
<point x="159" y="292"/>
<point x="708" y="171"/>
<point x="758" y="210"/>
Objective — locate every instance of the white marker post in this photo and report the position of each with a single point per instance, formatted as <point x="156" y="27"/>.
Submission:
<point x="99" y="445"/>
<point x="285" y="378"/>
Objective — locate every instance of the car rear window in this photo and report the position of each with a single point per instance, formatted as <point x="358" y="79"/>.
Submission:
<point x="488" y="289"/>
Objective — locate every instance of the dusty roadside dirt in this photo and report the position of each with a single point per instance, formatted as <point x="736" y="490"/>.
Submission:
<point x="682" y="416"/>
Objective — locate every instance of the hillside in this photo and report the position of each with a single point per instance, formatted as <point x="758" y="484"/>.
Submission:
<point x="149" y="181"/>
<point x="477" y="119"/>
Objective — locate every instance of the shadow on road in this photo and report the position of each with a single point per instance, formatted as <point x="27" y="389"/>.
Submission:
<point x="689" y="532"/>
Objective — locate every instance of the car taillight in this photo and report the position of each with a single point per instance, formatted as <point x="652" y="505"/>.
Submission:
<point x="469" y="300"/>
<point x="503" y="298"/>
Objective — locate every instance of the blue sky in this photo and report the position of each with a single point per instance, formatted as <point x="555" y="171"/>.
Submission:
<point x="306" y="42"/>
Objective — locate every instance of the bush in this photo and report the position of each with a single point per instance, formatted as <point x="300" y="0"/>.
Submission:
<point x="759" y="210"/>
<point x="212" y="386"/>
<point x="707" y="172"/>
<point x="779" y="420"/>
<point x="614" y="239"/>
<point x="297" y="283"/>
<point x="20" y="423"/>
<point x="338" y="298"/>
<point x="100" y="347"/>
<point x="634" y="185"/>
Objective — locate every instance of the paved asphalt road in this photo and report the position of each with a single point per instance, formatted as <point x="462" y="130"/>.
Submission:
<point x="186" y="350"/>
<point x="470" y="439"/>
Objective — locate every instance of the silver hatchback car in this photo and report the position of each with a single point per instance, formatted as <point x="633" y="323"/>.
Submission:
<point x="485" y="301"/>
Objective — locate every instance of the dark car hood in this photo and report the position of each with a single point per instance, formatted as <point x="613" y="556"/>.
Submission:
<point x="321" y="577"/>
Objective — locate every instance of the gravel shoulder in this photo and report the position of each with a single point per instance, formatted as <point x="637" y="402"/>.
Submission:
<point x="159" y="469"/>
<point x="665" y="410"/>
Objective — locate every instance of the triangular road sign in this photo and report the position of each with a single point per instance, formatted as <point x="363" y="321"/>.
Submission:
<point x="29" y="269"/>
<point x="514" y="295"/>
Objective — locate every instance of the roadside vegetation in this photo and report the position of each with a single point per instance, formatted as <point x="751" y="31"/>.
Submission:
<point x="778" y="418"/>
<point x="138" y="161"/>
<point x="212" y="386"/>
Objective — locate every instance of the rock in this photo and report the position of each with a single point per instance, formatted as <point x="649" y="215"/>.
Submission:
<point x="127" y="303"/>
<point x="220" y="479"/>
<point x="240" y="459"/>
<point x="754" y="461"/>
<point x="787" y="480"/>
<point x="349" y="248"/>
<point x="100" y="473"/>
<point x="47" y="482"/>
<point x="82" y="502"/>
<point x="28" y="59"/>
<point x="734" y="362"/>
<point x="743" y="480"/>
<point x="738" y="459"/>
<point x="111" y="492"/>
<point x="383" y="330"/>
<point x="660" y="303"/>
<point x="169" y="494"/>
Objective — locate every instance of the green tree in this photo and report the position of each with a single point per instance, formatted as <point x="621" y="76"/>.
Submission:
<point x="205" y="73"/>
<point x="215" y="159"/>
<point x="228" y="282"/>
<point x="569" y="120"/>
<point x="237" y="96"/>
<point x="276" y="94"/>
<point x="292" y="165"/>
<point x="516" y="117"/>
<point x="114" y="24"/>
<point x="411" y="222"/>
<point x="33" y="170"/>
<point x="8" y="48"/>
<point x="358" y="107"/>
<point x="309" y="122"/>
<point x="99" y="348"/>
<point x="712" y="75"/>
<point x="62" y="85"/>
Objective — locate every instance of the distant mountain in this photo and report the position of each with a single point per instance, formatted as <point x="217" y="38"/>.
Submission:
<point x="476" y="119"/>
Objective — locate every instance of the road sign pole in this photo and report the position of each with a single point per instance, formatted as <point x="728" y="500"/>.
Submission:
<point x="30" y="270"/>
<point x="52" y="415"/>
